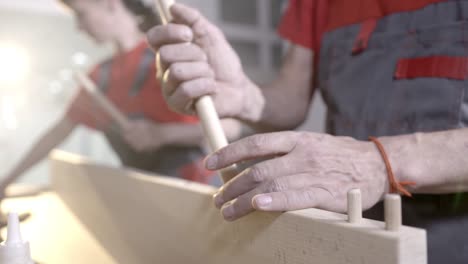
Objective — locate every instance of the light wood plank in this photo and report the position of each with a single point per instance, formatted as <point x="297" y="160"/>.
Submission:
<point x="147" y="219"/>
<point x="55" y="235"/>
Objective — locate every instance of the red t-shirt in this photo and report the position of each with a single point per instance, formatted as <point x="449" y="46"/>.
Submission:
<point x="128" y="80"/>
<point x="305" y="21"/>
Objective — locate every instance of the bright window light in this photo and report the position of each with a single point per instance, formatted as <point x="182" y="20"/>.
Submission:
<point x="8" y="113"/>
<point x="80" y="60"/>
<point x="14" y="63"/>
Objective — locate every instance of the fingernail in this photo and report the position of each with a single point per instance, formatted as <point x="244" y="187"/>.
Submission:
<point x="263" y="201"/>
<point x="211" y="162"/>
<point x="218" y="200"/>
<point x="228" y="213"/>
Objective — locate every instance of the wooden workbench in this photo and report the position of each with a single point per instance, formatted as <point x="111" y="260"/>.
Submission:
<point x="141" y="218"/>
<point x="108" y="215"/>
<point x="55" y="234"/>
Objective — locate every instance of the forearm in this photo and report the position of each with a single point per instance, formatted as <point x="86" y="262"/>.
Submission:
<point x="284" y="103"/>
<point x="282" y="111"/>
<point x="40" y="149"/>
<point x="437" y="162"/>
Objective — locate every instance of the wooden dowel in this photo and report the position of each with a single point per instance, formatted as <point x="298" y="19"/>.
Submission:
<point x="204" y="106"/>
<point x="100" y="99"/>
<point x="163" y="7"/>
<point x="354" y="206"/>
<point x="392" y="209"/>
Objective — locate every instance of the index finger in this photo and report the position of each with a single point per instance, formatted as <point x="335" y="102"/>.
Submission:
<point x="257" y="146"/>
<point x="185" y="15"/>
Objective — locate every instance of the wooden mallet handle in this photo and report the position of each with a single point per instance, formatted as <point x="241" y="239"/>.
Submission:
<point x="101" y="100"/>
<point x="204" y="106"/>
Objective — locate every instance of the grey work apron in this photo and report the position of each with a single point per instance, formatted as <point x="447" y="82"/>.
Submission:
<point x="365" y="99"/>
<point x="167" y="160"/>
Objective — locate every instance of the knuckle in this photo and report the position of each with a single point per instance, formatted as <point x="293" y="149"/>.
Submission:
<point x="207" y="69"/>
<point x="202" y="70"/>
<point x="257" y="174"/>
<point x="289" y="201"/>
<point x="208" y="85"/>
<point x="176" y="71"/>
<point x="165" y="53"/>
<point x="201" y="55"/>
<point x="153" y="35"/>
<point x="200" y="25"/>
<point x="277" y="186"/>
<point x="175" y="32"/>
<point x="309" y="196"/>
<point x="256" y="142"/>
<point x="237" y="207"/>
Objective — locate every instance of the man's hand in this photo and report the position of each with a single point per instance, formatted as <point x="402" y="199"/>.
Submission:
<point x="304" y="170"/>
<point x="195" y="59"/>
<point x="143" y="135"/>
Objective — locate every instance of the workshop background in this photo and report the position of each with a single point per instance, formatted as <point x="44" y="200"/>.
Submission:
<point x="39" y="44"/>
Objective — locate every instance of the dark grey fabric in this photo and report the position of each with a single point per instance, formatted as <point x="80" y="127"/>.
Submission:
<point x="365" y="100"/>
<point x="167" y="160"/>
<point x="362" y="95"/>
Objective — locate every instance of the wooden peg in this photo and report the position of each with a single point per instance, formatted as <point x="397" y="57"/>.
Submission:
<point x="392" y="206"/>
<point x="163" y="7"/>
<point x="204" y="106"/>
<point x="354" y="206"/>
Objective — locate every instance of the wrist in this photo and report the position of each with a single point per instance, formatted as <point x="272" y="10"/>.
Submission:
<point x="253" y="102"/>
<point x="403" y="159"/>
<point x="379" y="172"/>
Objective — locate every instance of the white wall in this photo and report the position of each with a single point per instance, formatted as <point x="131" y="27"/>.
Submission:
<point x="48" y="34"/>
<point x="50" y="39"/>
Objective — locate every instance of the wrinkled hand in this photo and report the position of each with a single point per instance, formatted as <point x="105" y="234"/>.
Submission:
<point x="196" y="60"/>
<point x="142" y="135"/>
<point x="305" y="170"/>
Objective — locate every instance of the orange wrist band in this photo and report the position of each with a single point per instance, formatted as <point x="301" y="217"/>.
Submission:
<point x="395" y="187"/>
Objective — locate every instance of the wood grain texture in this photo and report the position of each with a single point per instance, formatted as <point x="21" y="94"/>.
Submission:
<point x="148" y="219"/>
